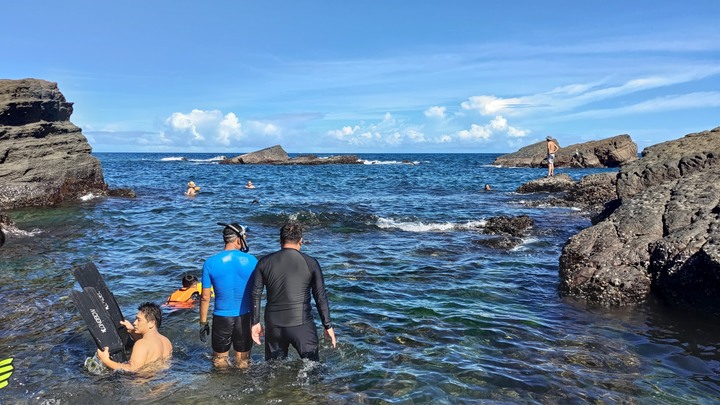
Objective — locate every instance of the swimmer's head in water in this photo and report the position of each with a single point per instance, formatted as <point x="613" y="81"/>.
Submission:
<point x="189" y="280"/>
<point x="191" y="184"/>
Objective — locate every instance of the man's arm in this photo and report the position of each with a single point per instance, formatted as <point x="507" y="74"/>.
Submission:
<point x="256" y="330"/>
<point x="131" y="329"/>
<point x="320" y="296"/>
<point x="204" y="304"/>
<point x="138" y="358"/>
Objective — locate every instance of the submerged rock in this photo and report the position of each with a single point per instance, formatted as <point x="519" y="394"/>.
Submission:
<point x="507" y="231"/>
<point x="664" y="237"/>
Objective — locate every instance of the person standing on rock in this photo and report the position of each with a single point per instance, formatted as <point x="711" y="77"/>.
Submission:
<point x="552" y="147"/>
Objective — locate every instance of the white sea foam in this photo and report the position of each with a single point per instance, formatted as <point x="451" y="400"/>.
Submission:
<point x="88" y="197"/>
<point x="525" y="242"/>
<point x="212" y="159"/>
<point x="418" y="226"/>
<point x="389" y="162"/>
<point x="16" y="232"/>
<point x="173" y="159"/>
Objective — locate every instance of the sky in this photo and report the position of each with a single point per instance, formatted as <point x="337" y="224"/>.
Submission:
<point x="370" y="76"/>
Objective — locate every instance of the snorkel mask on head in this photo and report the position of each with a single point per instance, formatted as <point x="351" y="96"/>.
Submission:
<point x="238" y="230"/>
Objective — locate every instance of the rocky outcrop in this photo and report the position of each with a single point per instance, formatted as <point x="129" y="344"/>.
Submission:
<point x="507" y="232"/>
<point x="276" y="155"/>
<point x="664" y="237"/>
<point x="559" y="183"/>
<point x="44" y="158"/>
<point x="595" y="194"/>
<point x="609" y="152"/>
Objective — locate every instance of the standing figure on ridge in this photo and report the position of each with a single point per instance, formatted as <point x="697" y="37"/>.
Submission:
<point x="229" y="273"/>
<point x="552" y="147"/>
<point x="290" y="278"/>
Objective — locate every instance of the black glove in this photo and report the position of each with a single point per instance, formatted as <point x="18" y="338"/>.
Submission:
<point x="204" y="332"/>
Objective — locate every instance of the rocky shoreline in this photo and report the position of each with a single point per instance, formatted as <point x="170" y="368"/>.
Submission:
<point x="655" y="223"/>
<point x="657" y="231"/>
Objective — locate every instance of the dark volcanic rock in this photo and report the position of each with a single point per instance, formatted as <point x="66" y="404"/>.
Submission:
<point x="44" y="158"/>
<point x="609" y="152"/>
<point x="664" y="237"/>
<point x="122" y="192"/>
<point x="507" y="231"/>
<point x="515" y="226"/>
<point x="558" y="183"/>
<point x="276" y="155"/>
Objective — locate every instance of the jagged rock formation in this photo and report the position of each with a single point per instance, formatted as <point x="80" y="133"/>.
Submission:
<point x="609" y="152"/>
<point x="276" y="155"/>
<point x="664" y="237"/>
<point x="595" y="194"/>
<point x="507" y="231"/>
<point x="44" y="158"/>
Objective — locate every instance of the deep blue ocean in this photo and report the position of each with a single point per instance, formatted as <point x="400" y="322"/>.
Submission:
<point x="424" y="312"/>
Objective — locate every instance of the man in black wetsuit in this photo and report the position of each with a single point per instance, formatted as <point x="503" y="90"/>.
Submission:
<point x="290" y="277"/>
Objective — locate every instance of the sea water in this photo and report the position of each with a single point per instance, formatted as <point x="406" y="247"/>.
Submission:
<point x="424" y="311"/>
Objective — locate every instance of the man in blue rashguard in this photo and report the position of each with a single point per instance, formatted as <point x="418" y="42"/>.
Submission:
<point x="230" y="274"/>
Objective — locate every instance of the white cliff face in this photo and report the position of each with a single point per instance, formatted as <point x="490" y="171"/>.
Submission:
<point x="44" y="158"/>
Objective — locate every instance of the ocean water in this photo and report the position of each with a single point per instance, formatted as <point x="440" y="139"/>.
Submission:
<point x="424" y="312"/>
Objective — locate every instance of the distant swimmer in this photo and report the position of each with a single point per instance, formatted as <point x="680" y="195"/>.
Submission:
<point x="150" y="346"/>
<point x="487" y="187"/>
<point x="187" y="296"/>
<point x="249" y="184"/>
<point x="192" y="189"/>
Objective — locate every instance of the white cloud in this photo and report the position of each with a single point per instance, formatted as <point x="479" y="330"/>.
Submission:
<point x="435" y="112"/>
<point x="710" y="99"/>
<point x="344" y="133"/>
<point x="569" y="97"/>
<point x="476" y="132"/>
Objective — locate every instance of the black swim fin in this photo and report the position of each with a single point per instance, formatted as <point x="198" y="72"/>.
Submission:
<point x="89" y="276"/>
<point x="99" y="322"/>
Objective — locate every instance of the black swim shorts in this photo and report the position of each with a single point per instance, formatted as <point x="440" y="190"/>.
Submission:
<point x="303" y="338"/>
<point x="231" y="330"/>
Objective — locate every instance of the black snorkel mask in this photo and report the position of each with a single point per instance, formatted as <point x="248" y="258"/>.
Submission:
<point x="239" y="230"/>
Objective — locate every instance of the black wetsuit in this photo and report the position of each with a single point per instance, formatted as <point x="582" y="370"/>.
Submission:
<point x="290" y="277"/>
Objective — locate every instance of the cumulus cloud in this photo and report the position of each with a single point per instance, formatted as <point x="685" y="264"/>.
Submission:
<point x="435" y="112"/>
<point x="199" y="126"/>
<point x="393" y="132"/>
<point x="497" y="126"/>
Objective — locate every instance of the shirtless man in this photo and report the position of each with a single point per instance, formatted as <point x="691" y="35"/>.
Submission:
<point x="150" y="346"/>
<point x="552" y="147"/>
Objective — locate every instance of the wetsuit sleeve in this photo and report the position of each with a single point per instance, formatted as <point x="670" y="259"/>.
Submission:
<point x="319" y="292"/>
<point x="257" y="290"/>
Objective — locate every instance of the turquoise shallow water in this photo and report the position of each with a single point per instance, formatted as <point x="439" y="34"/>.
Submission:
<point x="424" y="313"/>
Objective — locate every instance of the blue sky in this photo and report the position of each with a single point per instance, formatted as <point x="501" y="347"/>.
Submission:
<point x="370" y="76"/>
